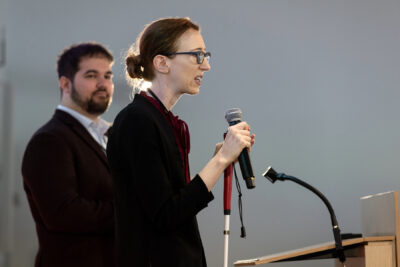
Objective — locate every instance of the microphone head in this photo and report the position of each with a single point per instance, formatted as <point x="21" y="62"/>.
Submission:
<point x="233" y="114"/>
<point x="271" y="174"/>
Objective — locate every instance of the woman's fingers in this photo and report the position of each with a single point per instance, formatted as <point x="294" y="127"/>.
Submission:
<point x="237" y="138"/>
<point x="217" y="147"/>
<point x="253" y="140"/>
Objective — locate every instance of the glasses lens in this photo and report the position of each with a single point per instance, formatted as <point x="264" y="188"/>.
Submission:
<point x="201" y="55"/>
<point x="207" y="55"/>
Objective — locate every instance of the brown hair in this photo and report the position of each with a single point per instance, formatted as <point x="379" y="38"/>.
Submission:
<point x="69" y="59"/>
<point x="157" y="38"/>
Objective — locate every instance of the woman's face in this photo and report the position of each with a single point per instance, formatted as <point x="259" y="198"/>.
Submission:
<point x="186" y="74"/>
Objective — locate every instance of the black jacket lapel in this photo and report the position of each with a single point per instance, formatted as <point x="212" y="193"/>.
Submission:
<point x="82" y="133"/>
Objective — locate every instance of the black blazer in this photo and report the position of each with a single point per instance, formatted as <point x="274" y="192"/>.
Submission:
<point x="68" y="184"/>
<point x="155" y="208"/>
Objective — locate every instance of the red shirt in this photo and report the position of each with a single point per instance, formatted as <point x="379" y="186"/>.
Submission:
<point x="180" y="130"/>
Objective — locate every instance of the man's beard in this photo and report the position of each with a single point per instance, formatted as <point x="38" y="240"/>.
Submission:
<point x="90" y="106"/>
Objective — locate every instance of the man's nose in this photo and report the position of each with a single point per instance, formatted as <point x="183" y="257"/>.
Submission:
<point x="102" y="82"/>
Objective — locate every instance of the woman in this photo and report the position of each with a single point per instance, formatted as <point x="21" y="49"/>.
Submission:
<point x="156" y="200"/>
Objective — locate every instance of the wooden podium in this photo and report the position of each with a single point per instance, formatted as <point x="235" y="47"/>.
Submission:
<point x="379" y="245"/>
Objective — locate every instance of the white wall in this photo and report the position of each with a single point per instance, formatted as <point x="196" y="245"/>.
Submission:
<point x="6" y="148"/>
<point x="316" y="80"/>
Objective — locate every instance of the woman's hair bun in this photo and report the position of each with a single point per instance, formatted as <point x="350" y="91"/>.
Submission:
<point x="134" y="66"/>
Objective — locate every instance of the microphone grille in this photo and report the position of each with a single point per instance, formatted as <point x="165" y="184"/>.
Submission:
<point x="233" y="114"/>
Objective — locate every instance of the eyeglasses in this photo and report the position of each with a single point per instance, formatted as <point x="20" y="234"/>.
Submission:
<point x="200" y="55"/>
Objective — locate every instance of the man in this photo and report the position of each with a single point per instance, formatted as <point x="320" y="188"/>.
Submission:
<point x="65" y="171"/>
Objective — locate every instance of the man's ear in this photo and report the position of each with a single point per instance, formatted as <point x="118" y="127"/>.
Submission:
<point x="65" y="84"/>
<point x="161" y="64"/>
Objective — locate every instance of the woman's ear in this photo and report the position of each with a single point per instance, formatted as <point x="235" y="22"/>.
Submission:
<point x="161" y="64"/>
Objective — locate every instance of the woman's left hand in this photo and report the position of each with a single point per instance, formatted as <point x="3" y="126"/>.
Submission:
<point x="219" y="145"/>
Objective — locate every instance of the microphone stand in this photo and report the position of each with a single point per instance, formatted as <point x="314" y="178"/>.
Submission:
<point x="272" y="175"/>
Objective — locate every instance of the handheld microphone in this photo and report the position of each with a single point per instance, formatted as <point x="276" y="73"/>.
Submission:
<point x="234" y="116"/>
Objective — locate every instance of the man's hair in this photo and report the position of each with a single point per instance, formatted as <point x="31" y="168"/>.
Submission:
<point x="69" y="59"/>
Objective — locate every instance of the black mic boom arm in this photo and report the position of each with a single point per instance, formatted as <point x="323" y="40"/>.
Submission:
<point x="272" y="175"/>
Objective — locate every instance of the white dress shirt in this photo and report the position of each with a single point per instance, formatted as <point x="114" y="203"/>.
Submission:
<point x="96" y="129"/>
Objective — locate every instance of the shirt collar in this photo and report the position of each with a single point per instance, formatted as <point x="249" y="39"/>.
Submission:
<point x="101" y="125"/>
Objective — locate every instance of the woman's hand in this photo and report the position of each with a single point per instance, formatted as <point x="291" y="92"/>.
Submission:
<point x="237" y="138"/>
<point x="217" y="147"/>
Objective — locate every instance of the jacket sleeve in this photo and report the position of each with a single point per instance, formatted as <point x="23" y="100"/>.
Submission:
<point x="136" y="150"/>
<point x="51" y="182"/>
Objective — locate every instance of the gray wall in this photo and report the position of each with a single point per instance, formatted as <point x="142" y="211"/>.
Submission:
<point x="317" y="81"/>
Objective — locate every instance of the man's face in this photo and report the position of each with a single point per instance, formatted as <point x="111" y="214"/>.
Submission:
<point x="92" y="87"/>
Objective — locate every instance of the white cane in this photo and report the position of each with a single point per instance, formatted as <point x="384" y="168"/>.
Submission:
<point x="227" y="208"/>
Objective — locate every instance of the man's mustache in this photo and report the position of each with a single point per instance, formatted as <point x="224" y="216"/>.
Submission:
<point x="101" y="90"/>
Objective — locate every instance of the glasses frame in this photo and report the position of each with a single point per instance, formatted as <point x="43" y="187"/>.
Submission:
<point x="200" y="55"/>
